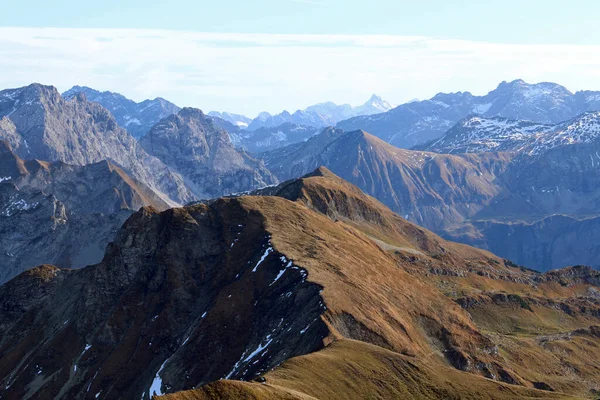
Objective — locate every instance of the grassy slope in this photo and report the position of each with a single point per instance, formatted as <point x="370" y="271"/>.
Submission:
<point x="349" y="369"/>
<point x="393" y="303"/>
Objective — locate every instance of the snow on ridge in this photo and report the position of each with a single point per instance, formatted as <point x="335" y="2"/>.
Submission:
<point x="156" y="386"/>
<point x="478" y="133"/>
<point x="260" y="351"/>
<point x="268" y="250"/>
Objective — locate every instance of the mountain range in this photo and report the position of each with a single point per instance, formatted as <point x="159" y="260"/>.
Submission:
<point x="311" y="289"/>
<point x="320" y="115"/>
<point x="538" y="208"/>
<point x="417" y="122"/>
<point x="306" y="263"/>
<point x="136" y="118"/>
<point x="39" y="124"/>
<point x="476" y="134"/>
<point x="266" y="132"/>
<point x="476" y="198"/>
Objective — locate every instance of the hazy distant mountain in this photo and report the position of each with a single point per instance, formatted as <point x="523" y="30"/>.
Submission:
<point x="38" y="123"/>
<point x="137" y="118"/>
<point x="265" y="139"/>
<point x="236" y="119"/>
<point x="198" y="149"/>
<point x="418" y="122"/>
<point x="321" y="115"/>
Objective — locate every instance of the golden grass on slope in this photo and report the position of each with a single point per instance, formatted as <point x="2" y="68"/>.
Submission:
<point x="367" y="295"/>
<point x="338" y="199"/>
<point x="349" y="369"/>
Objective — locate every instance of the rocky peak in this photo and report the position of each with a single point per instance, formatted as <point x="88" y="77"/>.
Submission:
<point x="192" y="144"/>
<point x="79" y="132"/>
<point x="136" y="118"/>
<point x="192" y="113"/>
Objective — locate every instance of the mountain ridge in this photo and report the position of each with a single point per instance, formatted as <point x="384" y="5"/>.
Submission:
<point x="415" y="123"/>
<point x="320" y="115"/>
<point x="140" y="322"/>
<point x="202" y="153"/>
<point x="60" y="213"/>
<point x="50" y="128"/>
<point x="136" y="118"/>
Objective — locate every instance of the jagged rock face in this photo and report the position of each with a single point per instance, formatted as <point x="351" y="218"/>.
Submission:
<point x="203" y="154"/>
<point x="94" y="188"/>
<point x="419" y="122"/>
<point x="321" y="115"/>
<point x="62" y="214"/>
<point x="160" y="314"/>
<point x="136" y="118"/>
<point x="79" y="132"/>
<point x="37" y="228"/>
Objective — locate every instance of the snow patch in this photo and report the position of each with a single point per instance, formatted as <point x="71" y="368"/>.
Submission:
<point x="268" y="251"/>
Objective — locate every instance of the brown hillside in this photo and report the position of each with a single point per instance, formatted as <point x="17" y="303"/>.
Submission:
<point x="238" y="287"/>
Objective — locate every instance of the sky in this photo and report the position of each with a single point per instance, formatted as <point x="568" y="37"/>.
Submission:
<point x="270" y="55"/>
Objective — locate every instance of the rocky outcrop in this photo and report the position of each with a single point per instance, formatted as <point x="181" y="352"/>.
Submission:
<point x="37" y="228"/>
<point x="62" y="214"/>
<point x="202" y="153"/>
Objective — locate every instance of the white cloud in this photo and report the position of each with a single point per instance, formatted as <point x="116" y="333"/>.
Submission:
<point x="253" y="72"/>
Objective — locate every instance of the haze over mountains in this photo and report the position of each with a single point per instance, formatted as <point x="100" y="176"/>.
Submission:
<point x="302" y="265"/>
<point x="498" y="201"/>
<point x="320" y="115"/>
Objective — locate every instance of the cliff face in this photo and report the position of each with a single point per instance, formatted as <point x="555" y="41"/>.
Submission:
<point x="47" y="127"/>
<point x="203" y="154"/>
<point x="62" y="214"/>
